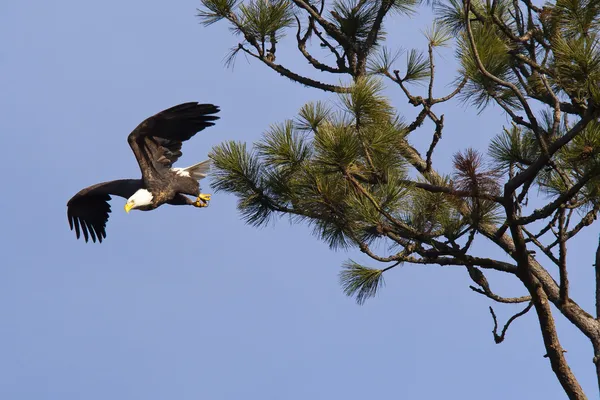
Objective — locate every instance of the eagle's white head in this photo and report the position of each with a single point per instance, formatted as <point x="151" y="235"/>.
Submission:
<point x="139" y="199"/>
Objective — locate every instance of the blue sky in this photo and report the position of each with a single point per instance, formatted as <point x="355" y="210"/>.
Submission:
<point x="186" y="303"/>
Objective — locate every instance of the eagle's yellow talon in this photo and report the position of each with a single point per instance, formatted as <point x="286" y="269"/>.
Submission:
<point x="204" y="197"/>
<point x="202" y="200"/>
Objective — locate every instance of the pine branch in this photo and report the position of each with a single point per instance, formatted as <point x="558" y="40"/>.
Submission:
<point x="465" y="260"/>
<point x="294" y="76"/>
<point x="562" y="251"/>
<point x="216" y="10"/>
<point x="451" y="191"/>
<point x="456" y="91"/>
<point x="431" y="73"/>
<point x="572" y="311"/>
<point x="301" y="40"/>
<point x="549" y="208"/>
<point x="552" y="344"/>
<point x="499" y="299"/>
<point x="434" y="141"/>
<point x="330" y="28"/>
<point x="557" y="111"/>
<point x="481" y="67"/>
<point x="500" y="338"/>
<point x="399" y="257"/>
<point x="586" y="221"/>
<point x="546" y="250"/>
<point x="532" y="170"/>
<point x="332" y="49"/>
<point x="384" y="8"/>
<point x="517" y="119"/>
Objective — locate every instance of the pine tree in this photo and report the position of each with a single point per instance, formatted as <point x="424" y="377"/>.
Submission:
<point x="348" y="168"/>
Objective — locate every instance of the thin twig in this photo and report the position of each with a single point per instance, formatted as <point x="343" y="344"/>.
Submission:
<point x="500" y="338"/>
<point x="549" y="208"/>
<point x="499" y="299"/>
<point x="540" y="246"/>
<point x="302" y="47"/>
<point x="458" y="193"/>
<point x="456" y="91"/>
<point x="330" y="28"/>
<point x="294" y="76"/>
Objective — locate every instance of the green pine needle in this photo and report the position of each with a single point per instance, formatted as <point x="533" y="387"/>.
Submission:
<point x="232" y="56"/>
<point x="513" y="147"/>
<point x="450" y="14"/>
<point x="265" y="19"/>
<point x="236" y="168"/>
<point x="216" y="10"/>
<point x="239" y="171"/>
<point x="577" y="17"/>
<point x="406" y="7"/>
<point x="438" y="35"/>
<point x="494" y="55"/>
<point x="360" y="281"/>
<point x="283" y="147"/>
<point x="383" y="61"/>
<point x="366" y="102"/>
<point x="417" y="67"/>
<point x="336" y="147"/>
<point x="577" y="62"/>
<point x="311" y="115"/>
<point x="355" y="22"/>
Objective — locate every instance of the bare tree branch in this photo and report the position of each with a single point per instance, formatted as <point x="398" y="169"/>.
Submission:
<point x="587" y="220"/>
<point x="499" y="299"/>
<point x="562" y="266"/>
<point x="487" y="263"/>
<point x="554" y="349"/>
<point x="500" y="338"/>
<point x="540" y="246"/>
<point x="458" y="193"/>
<point x="294" y="76"/>
<point x="456" y="91"/>
<point x="384" y="7"/>
<point x="571" y="310"/>
<point x="549" y="208"/>
<point x="301" y="40"/>
<point x="330" y="28"/>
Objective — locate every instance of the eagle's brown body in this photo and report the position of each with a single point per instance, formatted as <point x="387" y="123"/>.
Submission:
<point x="171" y="188"/>
<point x="156" y="144"/>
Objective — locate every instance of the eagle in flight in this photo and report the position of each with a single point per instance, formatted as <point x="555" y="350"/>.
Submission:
<point x="156" y="144"/>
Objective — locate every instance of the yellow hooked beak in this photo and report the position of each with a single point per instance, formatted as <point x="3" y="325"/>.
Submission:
<point x="128" y="207"/>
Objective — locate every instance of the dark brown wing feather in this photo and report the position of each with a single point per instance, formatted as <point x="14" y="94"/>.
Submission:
<point x="88" y="210"/>
<point x="157" y="141"/>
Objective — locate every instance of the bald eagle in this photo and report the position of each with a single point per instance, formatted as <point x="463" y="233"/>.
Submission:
<point x="156" y="144"/>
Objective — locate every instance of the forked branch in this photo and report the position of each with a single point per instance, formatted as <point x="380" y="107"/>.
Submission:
<point x="499" y="338"/>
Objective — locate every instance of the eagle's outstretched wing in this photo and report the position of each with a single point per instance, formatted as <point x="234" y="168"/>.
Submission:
<point x="88" y="210"/>
<point x="157" y="141"/>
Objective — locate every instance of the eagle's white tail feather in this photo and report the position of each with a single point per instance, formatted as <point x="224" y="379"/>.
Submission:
<point x="196" y="171"/>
